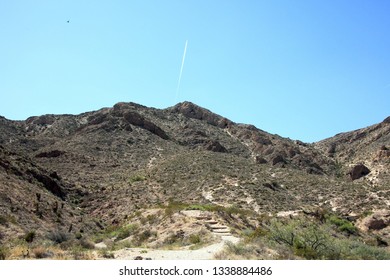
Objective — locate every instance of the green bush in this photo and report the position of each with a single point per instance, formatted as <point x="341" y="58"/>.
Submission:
<point x="342" y="224"/>
<point x="136" y="178"/>
<point x="126" y="231"/>
<point x="306" y="239"/>
<point x="194" y="239"/>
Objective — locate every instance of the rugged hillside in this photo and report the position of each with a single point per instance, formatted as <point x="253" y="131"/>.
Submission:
<point x="368" y="146"/>
<point x="35" y="200"/>
<point x="90" y="172"/>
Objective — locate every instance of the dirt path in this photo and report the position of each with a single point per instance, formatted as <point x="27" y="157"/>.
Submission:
<point x="205" y="253"/>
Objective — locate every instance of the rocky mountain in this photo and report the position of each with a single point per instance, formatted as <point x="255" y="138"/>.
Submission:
<point x="85" y="173"/>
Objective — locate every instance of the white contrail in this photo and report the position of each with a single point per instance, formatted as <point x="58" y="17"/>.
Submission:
<point x="181" y="70"/>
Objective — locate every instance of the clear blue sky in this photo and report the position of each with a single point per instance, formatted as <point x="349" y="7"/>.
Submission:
<point x="301" y="69"/>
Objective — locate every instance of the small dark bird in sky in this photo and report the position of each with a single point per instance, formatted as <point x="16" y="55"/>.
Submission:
<point x="67" y="21"/>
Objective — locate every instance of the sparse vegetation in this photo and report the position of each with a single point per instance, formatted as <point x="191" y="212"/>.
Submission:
<point x="305" y="238"/>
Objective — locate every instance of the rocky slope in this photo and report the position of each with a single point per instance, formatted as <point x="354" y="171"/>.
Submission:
<point x="84" y="173"/>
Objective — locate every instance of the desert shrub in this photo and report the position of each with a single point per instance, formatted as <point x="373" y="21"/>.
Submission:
<point x="29" y="237"/>
<point x="58" y="236"/>
<point x="3" y="253"/>
<point x="238" y="249"/>
<point x="357" y="250"/>
<point x="78" y="235"/>
<point x="80" y="254"/>
<point x="136" y="178"/>
<point x="312" y="240"/>
<point x="106" y="254"/>
<point x="41" y="253"/>
<point x="143" y="236"/>
<point x="342" y="224"/>
<point x="126" y="231"/>
<point x="171" y="239"/>
<point x="194" y="239"/>
<point x="87" y="244"/>
<point x="306" y="239"/>
<point x="254" y="234"/>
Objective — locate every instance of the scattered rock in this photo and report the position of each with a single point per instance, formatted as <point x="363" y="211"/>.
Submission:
<point x="358" y="171"/>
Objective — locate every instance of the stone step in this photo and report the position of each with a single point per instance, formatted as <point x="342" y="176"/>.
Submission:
<point x="218" y="227"/>
<point x="221" y="230"/>
<point x="211" y="222"/>
<point x="202" y="217"/>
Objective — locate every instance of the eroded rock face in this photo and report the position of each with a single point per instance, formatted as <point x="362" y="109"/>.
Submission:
<point x="215" y="146"/>
<point x="138" y="120"/>
<point x="358" y="171"/>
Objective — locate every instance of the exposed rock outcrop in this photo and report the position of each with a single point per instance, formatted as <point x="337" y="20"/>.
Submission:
<point x="358" y="171"/>
<point x="193" y="111"/>
<point x="215" y="146"/>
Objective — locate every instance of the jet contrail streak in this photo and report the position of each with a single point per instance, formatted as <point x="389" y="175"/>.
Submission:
<point x="181" y="70"/>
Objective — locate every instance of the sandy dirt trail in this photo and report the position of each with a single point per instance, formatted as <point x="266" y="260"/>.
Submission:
<point x="205" y="253"/>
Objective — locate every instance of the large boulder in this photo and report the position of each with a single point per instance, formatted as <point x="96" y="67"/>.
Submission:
<point x="378" y="220"/>
<point x="358" y="171"/>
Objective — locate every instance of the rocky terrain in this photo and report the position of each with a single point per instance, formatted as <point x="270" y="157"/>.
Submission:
<point x="86" y="179"/>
